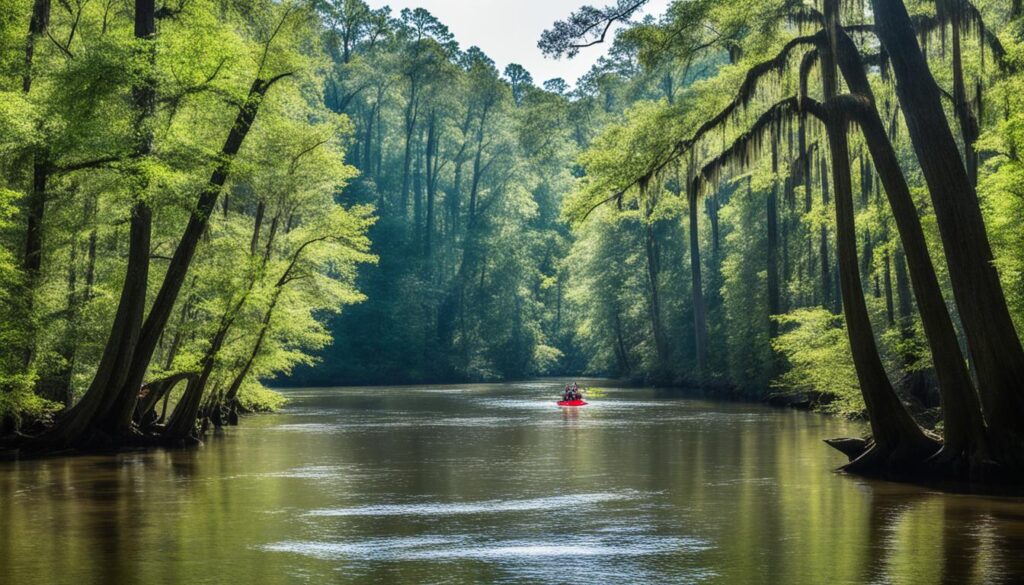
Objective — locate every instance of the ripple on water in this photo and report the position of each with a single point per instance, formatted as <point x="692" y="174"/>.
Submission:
<point x="470" y="547"/>
<point x="460" y="422"/>
<point x="481" y="507"/>
<point x="315" y="472"/>
<point x="309" y="427"/>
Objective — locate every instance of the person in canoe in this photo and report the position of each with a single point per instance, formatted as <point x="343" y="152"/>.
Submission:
<point x="572" y="393"/>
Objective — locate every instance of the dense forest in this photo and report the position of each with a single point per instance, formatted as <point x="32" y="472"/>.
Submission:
<point x="818" y="203"/>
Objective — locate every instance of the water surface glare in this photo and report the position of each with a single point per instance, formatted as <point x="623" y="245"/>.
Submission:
<point x="493" y="483"/>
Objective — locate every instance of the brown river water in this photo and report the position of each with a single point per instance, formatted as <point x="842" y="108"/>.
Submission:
<point x="495" y="484"/>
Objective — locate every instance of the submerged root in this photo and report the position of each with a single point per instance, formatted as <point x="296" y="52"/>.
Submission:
<point x="927" y="462"/>
<point x="906" y="460"/>
<point x="852" y="447"/>
<point x="95" y="441"/>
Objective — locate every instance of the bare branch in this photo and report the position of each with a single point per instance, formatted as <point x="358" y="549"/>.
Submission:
<point x="585" y="27"/>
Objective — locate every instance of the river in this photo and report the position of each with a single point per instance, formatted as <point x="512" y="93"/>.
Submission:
<point x="495" y="484"/>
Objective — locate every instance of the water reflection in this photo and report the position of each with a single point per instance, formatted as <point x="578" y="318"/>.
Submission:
<point x="493" y="483"/>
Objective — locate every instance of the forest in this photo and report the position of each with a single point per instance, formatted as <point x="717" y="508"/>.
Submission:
<point x="813" y="203"/>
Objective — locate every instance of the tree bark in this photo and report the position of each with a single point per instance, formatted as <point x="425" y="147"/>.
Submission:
<point x="897" y="437"/>
<point x="969" y="129"/>
<point x="773" y="249"/>
<point x="890" y="311"/>
<point x="700" y="319"/>
<point x="965" y="434"/>
<point x="92" y="413"/>
<point x="182" y="423"/>
<point x="37" y="27"/>
<point x="428" y="229"/>
<point x="411" y="112"/>
<point x="994" y="345"/>
<point x="897" y="440"/>
<point x="827" y="296"/>
<point x="653" y="266"/>
<point x="417" y="190"/>
<point x="903" y="302"/>
<point x="179" y="265"/>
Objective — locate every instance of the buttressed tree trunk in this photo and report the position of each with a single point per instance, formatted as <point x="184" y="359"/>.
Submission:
<point x="179" y="265"/>
<point x="93" y="412"/>
<point x="995" y="348"/>
<point x="898" y="440"/>
<point x="965" y="434"/>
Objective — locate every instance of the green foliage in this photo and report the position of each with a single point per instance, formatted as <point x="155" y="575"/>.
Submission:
<point x="280" y="252"/>
<point x="256" y="398"/>
<point x="467" y="170"/>
<point x="403" y="211"/>
<point x="815" y="345"/>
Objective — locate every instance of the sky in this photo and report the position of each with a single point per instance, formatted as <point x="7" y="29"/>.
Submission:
<point x="508" y="30"/>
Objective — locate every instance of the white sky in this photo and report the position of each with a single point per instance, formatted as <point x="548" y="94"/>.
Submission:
<point x="508" y="30"/>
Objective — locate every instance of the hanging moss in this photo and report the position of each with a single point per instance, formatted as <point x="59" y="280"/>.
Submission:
<point x="748" y="90"/>
<point x="749" y="146"/>
<point x="970" y="20"/>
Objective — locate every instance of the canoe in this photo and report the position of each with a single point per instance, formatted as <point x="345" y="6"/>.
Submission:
<point x="571" y="403"/>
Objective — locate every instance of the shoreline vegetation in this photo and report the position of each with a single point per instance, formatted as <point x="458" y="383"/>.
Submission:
<point x="812" y="203"/>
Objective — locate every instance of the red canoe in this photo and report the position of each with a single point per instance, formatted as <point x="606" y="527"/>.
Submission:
<point x="571" y="403"/>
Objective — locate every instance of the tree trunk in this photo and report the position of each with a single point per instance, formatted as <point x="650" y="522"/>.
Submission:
<point x="411" y="111"/>
<point x="620" y="345"/>
<point x="827" y="295"/>
<point x="182" y="423"/>
<point x="156" y="391"/>
<point x="236" y="382"/>
<point x="773" y="248"/>
<point x="700" y="318"/>
<point x="257" y="225"/>
<point x="428" y="229"/>
<point x="417" y="190"/>
<point x="965" y="434"/>
<point x="890" y="311"/>
<point x="805" y="170"/>
<point x="37" y="27"/>
<point x="93" y="411"/>
<point x="995" y="348"/>
<point x="87" y="415"/>
<point x="903" y="303"/>
<point x="654" y="302"/>
<point x="969" y="129"/>
<point x="898" y="441"/>
<point x="33" y="257"/>
<point x="897" y="438"/>
<point x="179" y="265"/>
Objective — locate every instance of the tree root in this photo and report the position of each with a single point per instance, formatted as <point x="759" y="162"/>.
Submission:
<point x="869" y="459"/>
<point x="927" y="462"/>
<point x="21" y="447"/>
<point x="852" y="447"/>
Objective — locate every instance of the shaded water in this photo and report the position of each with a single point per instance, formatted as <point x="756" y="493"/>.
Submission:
<point x="495" y="484"/>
